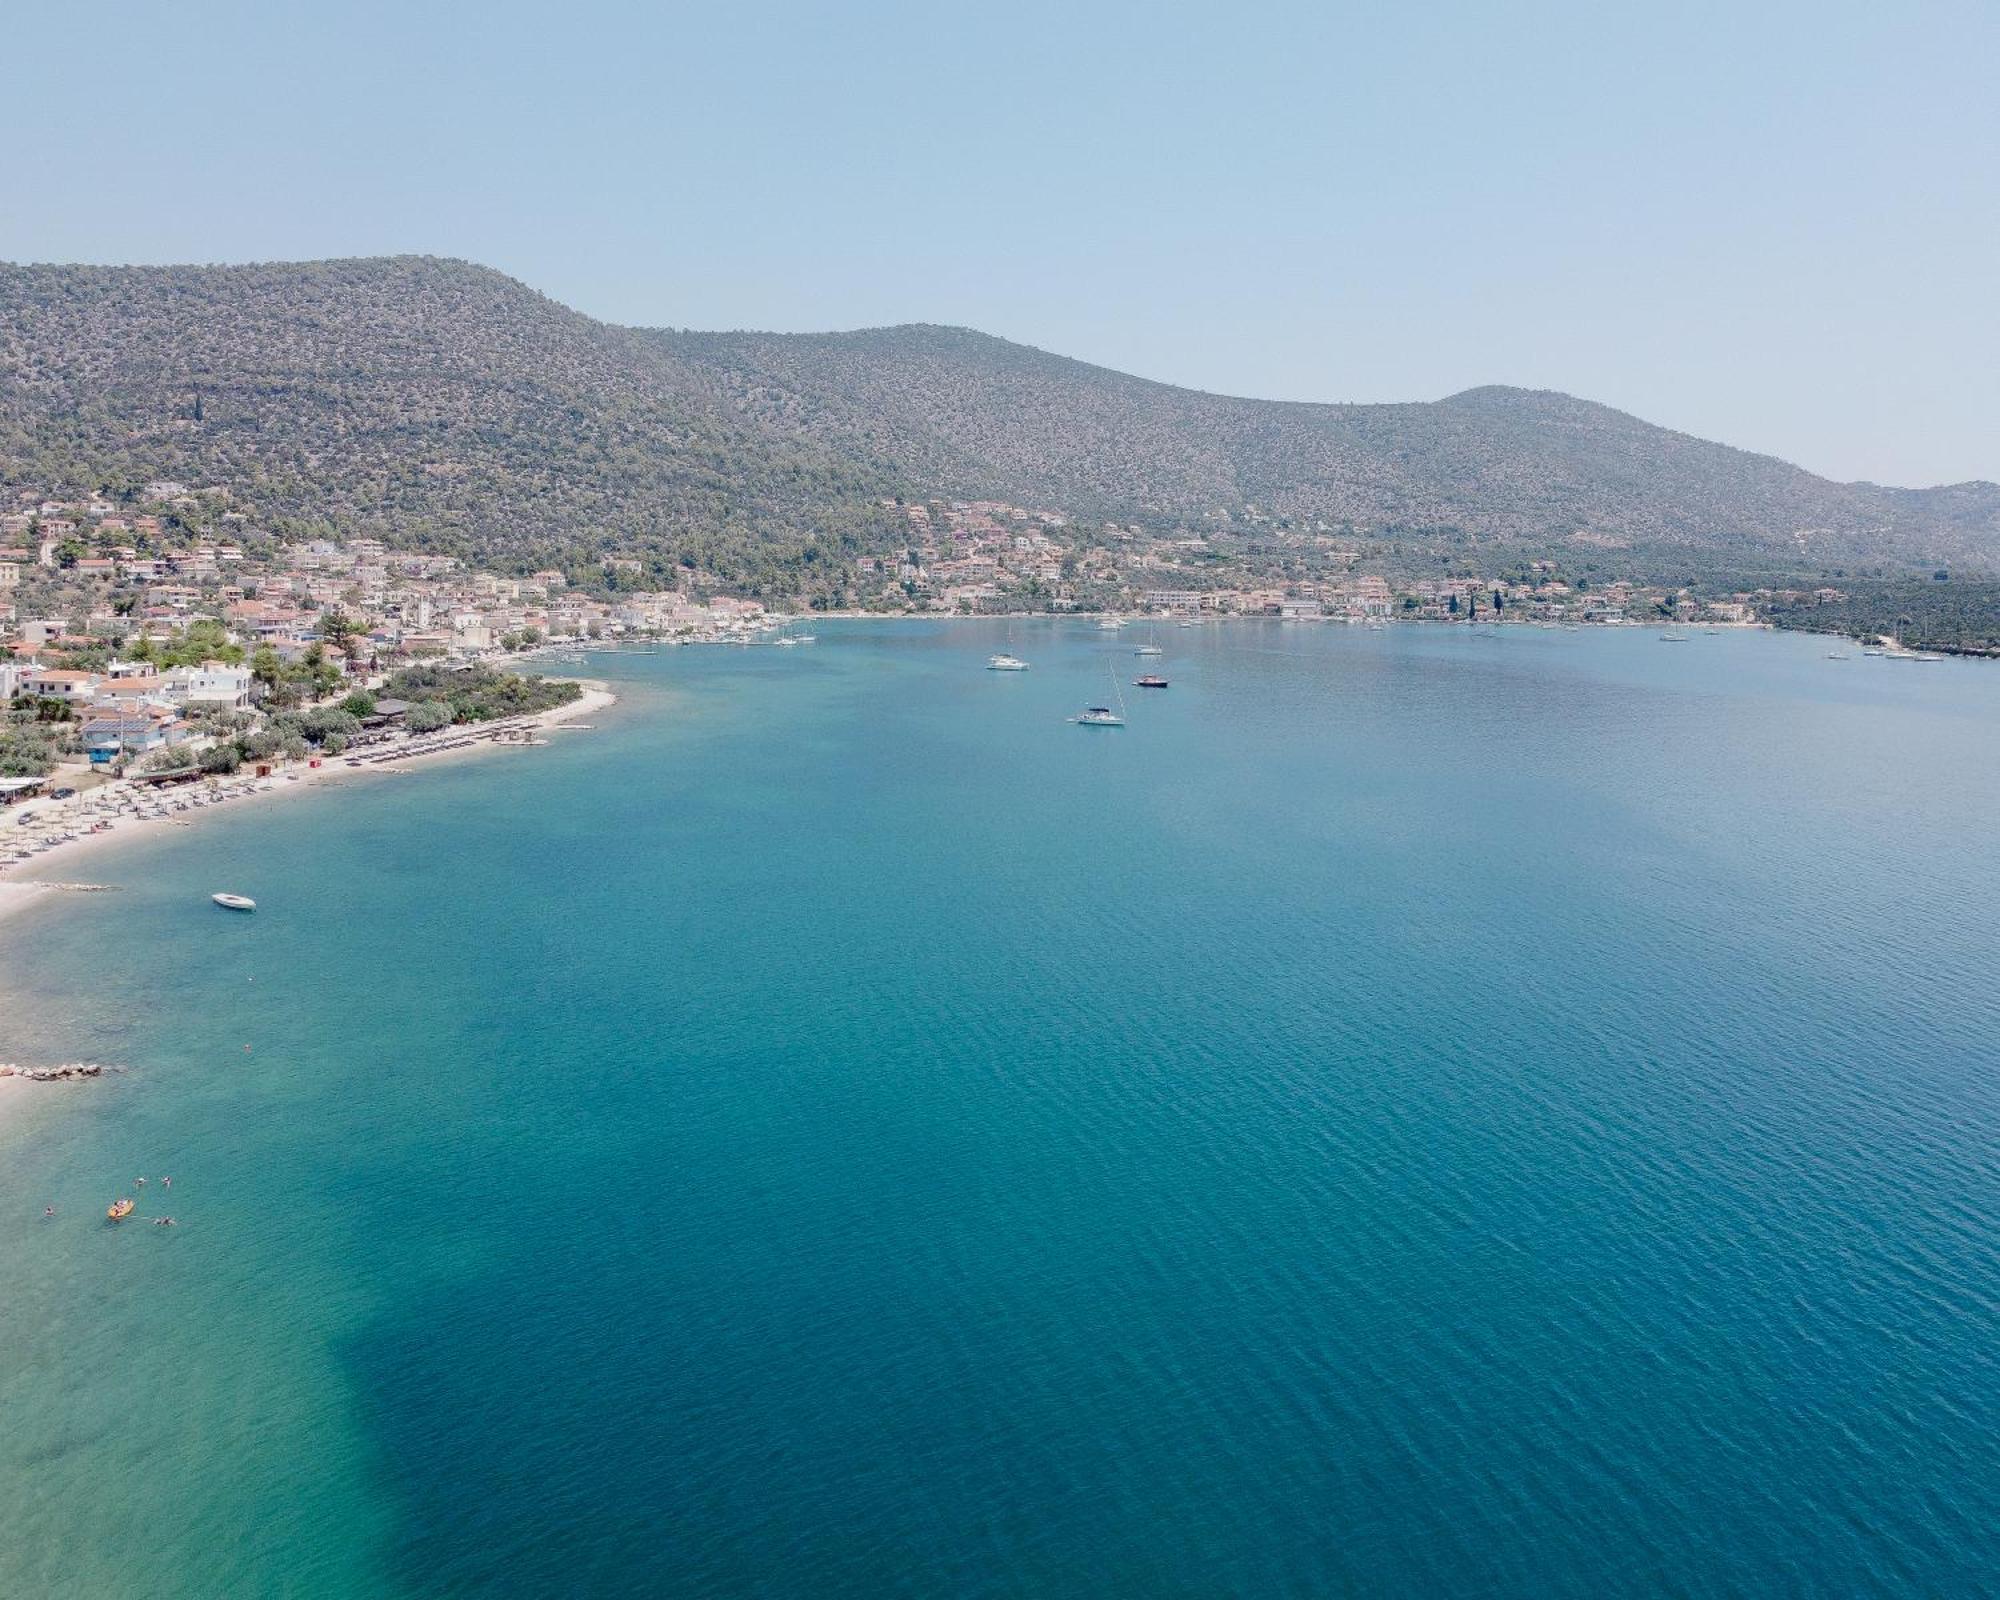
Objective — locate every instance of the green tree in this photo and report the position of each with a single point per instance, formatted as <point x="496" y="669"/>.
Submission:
<point x="341" y="632"/>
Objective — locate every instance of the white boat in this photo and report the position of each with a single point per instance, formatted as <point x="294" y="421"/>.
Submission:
<point x="1673" y="638"/>
<point x="234" y="902"/>
<point x="1005" y="663"/>
<point x="1104" y="716"/>
<point x="1111" y="624"/>
<point x="1149" y="650"/>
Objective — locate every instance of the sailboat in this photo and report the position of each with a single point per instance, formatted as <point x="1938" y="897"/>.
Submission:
<point x="1152" y="645"/>
<point x="1104" y="716"/>
<point x="1006" y="660"/>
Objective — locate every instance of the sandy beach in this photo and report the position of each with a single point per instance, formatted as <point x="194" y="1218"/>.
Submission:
<point x="57" y="847"/>
<point x="46" y="857"/>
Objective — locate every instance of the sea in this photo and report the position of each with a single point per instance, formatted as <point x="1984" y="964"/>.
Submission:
<point x="1418" y="1111"/>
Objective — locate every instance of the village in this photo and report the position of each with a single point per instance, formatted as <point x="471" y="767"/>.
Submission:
<point x="160" y="635"/>
<point x="137" y="645"/>
<point x="991" y="558"/>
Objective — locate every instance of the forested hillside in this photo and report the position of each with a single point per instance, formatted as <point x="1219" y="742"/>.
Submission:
<point x="435" y="404"/>
<point x="445" y="406"/>
<point x="950" y="405"/>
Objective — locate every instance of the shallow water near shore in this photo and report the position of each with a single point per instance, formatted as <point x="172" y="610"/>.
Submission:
<point x="1412" y="1112"/>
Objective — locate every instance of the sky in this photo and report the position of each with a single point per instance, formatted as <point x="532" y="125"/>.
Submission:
<point x="1777" y="225"/>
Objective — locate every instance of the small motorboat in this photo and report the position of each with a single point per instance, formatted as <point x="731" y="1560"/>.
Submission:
<point x="234" y="902"/>
<point x="1005" y="663"/>
<point x="1150" y="680"/>
<point x="119" y="1211"/>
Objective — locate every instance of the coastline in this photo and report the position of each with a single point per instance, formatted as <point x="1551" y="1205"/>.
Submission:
<point x="27" y="883"/>
<point x="33" y="883"/>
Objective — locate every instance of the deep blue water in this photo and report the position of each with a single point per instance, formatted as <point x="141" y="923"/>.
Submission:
<point x="1414" y="1112"/>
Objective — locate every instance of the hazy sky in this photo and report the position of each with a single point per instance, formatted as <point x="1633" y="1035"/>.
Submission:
<point x="1772" y="224"/>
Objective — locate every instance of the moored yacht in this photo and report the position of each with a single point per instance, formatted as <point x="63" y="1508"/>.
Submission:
<point x="1104" y="716"/>
<point x="234" y="902"/>
<point x="1005" y="663"/>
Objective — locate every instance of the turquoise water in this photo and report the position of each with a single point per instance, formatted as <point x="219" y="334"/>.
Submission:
<point x="1414" y="1112"/>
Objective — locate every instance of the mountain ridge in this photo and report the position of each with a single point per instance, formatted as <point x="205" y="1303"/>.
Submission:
<point x="445" y="404"/>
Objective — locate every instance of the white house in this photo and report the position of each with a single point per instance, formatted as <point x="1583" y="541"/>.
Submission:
<point x="213" y="683"/>
<point x="59" y="683"/>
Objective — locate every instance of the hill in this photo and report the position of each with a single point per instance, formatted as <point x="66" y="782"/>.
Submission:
<point x="445" y="406"/>
<point x="432" y="403"/>
<point x="950" y="406"/>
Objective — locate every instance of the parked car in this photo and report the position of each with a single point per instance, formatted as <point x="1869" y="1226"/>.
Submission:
<point x="65" y="794"/>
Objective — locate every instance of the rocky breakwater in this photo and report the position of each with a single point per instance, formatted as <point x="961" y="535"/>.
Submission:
<point x="63" y="1073"/>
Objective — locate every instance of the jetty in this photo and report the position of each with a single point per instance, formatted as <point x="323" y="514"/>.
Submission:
<point x="66" y="1072"/>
